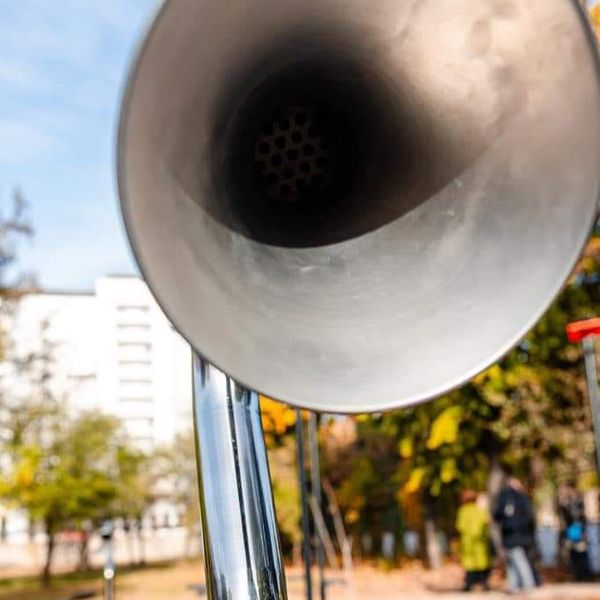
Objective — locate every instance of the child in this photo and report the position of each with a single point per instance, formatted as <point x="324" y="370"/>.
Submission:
<point x="472" y="523"/>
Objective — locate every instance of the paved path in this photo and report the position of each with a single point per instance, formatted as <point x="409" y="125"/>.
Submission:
<point x="368" y="584"/>
<point x="181" y="582"/>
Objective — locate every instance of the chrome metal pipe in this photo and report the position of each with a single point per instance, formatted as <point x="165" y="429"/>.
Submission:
<point x="315" y="488"/>
<point x="305" y="514"/>
<point x="589" y="353"/>
<point x="241" y="545"/>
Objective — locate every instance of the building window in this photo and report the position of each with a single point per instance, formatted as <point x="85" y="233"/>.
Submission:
<point x="136" y="399"/>
<point x="147" y="346"/>
<point x="81" y="377"/>
<point x="133" y="326"/>
<point x="134" y="350"/>
<point x="124" y="362"/>
<point x="133" y="308"/>
<point x="135" y="381"/>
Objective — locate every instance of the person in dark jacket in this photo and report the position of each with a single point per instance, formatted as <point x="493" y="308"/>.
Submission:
<point x="514" y="514"/>
<point x="572" y="512"/>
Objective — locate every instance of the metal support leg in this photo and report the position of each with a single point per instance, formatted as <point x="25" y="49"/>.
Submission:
<point x="315" y="484"/>
<point x="109" y="570"/>
<point x="304" y="505"/>
<point x="241" y="544"/>
<point x="589" y="353"/>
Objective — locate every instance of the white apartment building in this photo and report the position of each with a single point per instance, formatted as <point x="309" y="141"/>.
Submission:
<point x="111" y="349"/>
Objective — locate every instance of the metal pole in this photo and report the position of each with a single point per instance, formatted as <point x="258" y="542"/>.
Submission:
<point x="304" y="505"/>
<point x="109" y="582"/>
<point x="315" y="484"/>
<point x="589" y="353"/>
<point x="242" y="556"/>
<point x="108" y="572"/>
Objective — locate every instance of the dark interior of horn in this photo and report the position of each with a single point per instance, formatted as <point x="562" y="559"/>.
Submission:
<point x="315" y="145"/>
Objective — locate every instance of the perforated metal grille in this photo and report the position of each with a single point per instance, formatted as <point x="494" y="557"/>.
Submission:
<point x="293" y="154"/>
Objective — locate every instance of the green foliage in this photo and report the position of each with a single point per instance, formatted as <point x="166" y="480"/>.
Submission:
<point x="134" y="481"/>
<point x="283" y="467"/>
<point x="70" y="472"/>
<point x="175" y="468"/>
<point x="67" y="475"/>
<point x="278" y="421"/>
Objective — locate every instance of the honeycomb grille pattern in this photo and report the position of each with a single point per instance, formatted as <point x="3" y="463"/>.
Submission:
<point x="292" y="155"/>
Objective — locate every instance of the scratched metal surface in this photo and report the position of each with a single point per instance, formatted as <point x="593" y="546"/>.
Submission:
<point x="449" y="245"/>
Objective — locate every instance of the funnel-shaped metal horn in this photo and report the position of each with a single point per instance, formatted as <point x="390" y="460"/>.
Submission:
<point x="353" y="207"/>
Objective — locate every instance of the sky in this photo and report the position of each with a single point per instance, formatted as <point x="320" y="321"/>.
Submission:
<point x="63" y="65"/>
<point x="62" y="69"/>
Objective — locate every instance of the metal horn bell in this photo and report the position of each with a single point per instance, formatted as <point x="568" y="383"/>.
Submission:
<point x="355" y="206"/>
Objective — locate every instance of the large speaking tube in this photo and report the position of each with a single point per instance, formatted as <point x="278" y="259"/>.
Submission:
<point x="353" y="207"/>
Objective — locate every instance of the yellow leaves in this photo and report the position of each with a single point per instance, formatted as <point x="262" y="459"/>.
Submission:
<point x="493" y="375"/>
<point x="595" y="18"/>
<point x="588" y="481"/>
<point x="406" y="447"/>
<point x="352" y="516"/>
<point x="277" y="417"/>
<point x="419" y="477"/>
<point x="444" y="430"/>
<point x="24" y="476"/>
<point x="436" y="488"/>
<point x="415" y="481"/>
<point x="448" y="470"/>
<point x="26" y="468"/>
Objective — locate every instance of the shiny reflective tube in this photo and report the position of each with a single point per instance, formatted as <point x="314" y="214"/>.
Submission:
<point x="241" y="544"/>
<point x="353" y="209"/>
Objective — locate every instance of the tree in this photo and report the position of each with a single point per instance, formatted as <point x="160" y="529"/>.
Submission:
<point x="177" y="469"/>
<point x="278" y="421"/>
<point x="65" y="476"/>
<point x="135" y="482"/>
<point x="14" y="225"/>
<point x="595" y="18"/>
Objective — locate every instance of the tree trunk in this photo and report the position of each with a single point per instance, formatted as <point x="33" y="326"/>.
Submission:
<point x="340" y="531"/>
<point x="47" y="572"/>
<point x="434" y="552"/>
<point x="141" y="547"/>
<point x="432" y="541"/>
<point x="297" y="554"/>
<point x="84" y="557"/>
<point x="495" y="479"/>
<point x="129" y="542"/>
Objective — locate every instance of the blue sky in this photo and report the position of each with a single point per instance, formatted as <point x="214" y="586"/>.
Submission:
<point x="62" y="68"/>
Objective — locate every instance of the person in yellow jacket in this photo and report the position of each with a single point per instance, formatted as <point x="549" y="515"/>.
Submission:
<point x="472" y="524"/>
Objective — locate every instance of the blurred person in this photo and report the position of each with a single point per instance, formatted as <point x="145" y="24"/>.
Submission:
<point x="573" y="534"/>
<point x="514" y="514"/>
<point x="472" y="523"/>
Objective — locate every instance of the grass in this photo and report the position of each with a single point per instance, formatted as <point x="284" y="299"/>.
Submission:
<point x="64" y="585"/>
